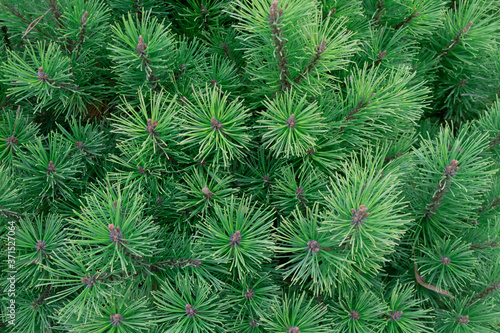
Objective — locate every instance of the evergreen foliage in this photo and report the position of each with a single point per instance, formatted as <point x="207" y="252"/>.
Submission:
<point x="250" y="166"/>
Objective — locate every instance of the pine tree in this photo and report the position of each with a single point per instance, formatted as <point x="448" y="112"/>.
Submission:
<point x="250" y="166"/>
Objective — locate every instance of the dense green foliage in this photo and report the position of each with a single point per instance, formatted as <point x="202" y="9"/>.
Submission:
<point x="293" y="166"/>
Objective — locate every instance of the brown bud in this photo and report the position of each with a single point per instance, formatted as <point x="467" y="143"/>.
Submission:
<point x="51" y="167"/>
<point x="141" y="170"/>
<point x="42" y="76"/>
<point x="207" y="192"/>
<point x="250" y="294"/>
<point x="116" y="320"/>
<point x="253" y="323"/>
<point x="235" y="239"/>
<point x="451" y="169"/>
<point x="321" y="48"/>
<point x="313" y="246"/>
<point x="354" y="315"/>
<point x="445" y="261"/>
<point x="381" y="55"/>
<point x="190" y="311"/>
<point x="359" y="216"/>
<point x="299" y="190"/>
<point x="215" y="124"/>
<point x="151" y="127"/>
<point x="84" y="18"/>
<point x="141" y="47"/>
<point x="463" y="320"/>
<point x="273" y="12"/>
<point x="11" y="141"/>
<point x="467" y="27"/>
<point x="291" y="122"/>
<point x="396" y="315"/>
<point x="40" y="246"/>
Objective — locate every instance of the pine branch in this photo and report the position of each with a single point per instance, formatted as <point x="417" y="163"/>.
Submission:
<point x="421" y="282"/>
<point x="25" y="20"/>
<point x="449" y="172"/>
<point x="362" y="104"/>
<point x="489" y="244"/>
<point x="493" y="204"/>
<point x="456" y="40"/>
<point x="57" y="14"/>
<point x="41" y="298"/>
<point x="380" y="11"/>
<point x="279" y="44"/>
<point x="44" y="77"/>
<point x="146" y="64"/>
<point x="490" y="289"/>
<point x="137" y="8"/>
<point x="407" y="20"/>
<point x="493" y="143"/>
<point x="312" y="63"/>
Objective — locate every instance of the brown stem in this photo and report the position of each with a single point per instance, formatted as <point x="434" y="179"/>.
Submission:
<point x="407" y="20"/>
<point x="426" y="285"/>
<point x="361" y="105"/>
<point x="490" y="289"/>
<point x="279" y="44"/>
<point x="312" y="63"/>
<point x="380" y="11"/>
<point x="57" y="14"/>
<point x="443" y="186"/>
<point x="494" y="142"/>
<point x="495" y="242"/>
<point x="455" y="41"/>
<point x="33" y="24"/>
<point x="146" y="63"/>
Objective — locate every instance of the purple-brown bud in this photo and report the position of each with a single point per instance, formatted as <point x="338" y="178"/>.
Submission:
<point x="291" y="122"/>
<point x="84" y="18"/>
<point x="141" y="47"/>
